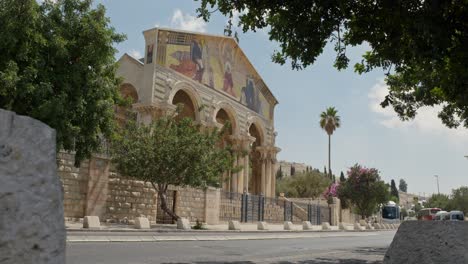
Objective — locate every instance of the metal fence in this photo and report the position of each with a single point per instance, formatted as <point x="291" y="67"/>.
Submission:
<point x="252" y="208"/>
<point x="161" y="216"/>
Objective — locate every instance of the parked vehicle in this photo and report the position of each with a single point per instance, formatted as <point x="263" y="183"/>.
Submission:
<point x="428" y="214"/>
<point x="441" y="215"/>
<point x="456" y="216"/>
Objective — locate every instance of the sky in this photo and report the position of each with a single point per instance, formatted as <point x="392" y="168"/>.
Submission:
<point x="369" y="135"/>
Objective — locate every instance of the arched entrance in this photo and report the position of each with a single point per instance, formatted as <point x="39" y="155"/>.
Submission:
<point x="127" y="91"/>
<point x="255" y="181"/>
<point x="222" y="118"/>
<point x="188" y="107"/>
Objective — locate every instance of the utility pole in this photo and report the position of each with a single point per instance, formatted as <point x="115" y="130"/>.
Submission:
<point x="437" y="177"/>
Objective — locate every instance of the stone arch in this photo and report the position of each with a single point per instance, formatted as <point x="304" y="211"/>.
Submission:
<point x="123" y="113"/>
<point x="185" y="94"/>
<point x="253" y="120"/>
<point x="127" y="90"/>
<point x="255" y="130"/>
<point x="228" y="110"/>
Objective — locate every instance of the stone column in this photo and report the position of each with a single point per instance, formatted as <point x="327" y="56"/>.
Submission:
<point x="263" y="179"/>
<point x="234" y="178"/>
<point x="246" y="172"/>
<point x="273" y="177"/>
<point x="268" y="176"/>
<point x="240" y="174"/>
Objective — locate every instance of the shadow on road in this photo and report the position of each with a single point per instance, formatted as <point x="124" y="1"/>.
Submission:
<point x="314" y="261"/>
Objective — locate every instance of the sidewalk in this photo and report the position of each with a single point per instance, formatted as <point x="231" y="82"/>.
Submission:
<point x="148" y="236"/>
<point x="159" y="233"/>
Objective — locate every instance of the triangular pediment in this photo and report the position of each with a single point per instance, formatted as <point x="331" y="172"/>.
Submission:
<point x="217" y="62"/>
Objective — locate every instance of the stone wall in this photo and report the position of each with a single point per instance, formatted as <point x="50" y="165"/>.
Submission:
<point x="190" y="203"/>
<point x="75" y="184"/>
<point x="128" y="199"/>
<point x="95" y="188"/>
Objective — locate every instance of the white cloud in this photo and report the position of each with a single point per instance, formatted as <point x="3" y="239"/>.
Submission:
<point x="426" y="120"/>
<point x="135" y="53"/>
<point x="187" y="22"/>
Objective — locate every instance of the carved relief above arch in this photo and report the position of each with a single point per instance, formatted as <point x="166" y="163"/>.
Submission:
<point x="180" y="91"/>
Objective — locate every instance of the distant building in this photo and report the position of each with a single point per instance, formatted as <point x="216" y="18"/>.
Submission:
<point x="288" y="169"/>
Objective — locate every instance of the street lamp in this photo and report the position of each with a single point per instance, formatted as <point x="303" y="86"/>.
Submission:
<point x="437" y="177"/>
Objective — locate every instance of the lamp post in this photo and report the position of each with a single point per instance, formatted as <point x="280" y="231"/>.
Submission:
<point x="437" y="177"/>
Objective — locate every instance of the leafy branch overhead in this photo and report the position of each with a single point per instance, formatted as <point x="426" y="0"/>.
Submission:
<point x="58" y="66"/>
<point x="421" y="45"/>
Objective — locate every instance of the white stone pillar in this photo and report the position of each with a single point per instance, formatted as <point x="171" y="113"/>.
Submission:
<point x="246" y="172"/>
<point x="268" y="177"/>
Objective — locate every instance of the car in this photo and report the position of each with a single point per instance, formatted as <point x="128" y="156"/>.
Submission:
<point x="441" y="215"/>
<point x="456" y="216"/>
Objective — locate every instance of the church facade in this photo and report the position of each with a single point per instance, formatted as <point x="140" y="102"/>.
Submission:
<point x="216" y="83"/>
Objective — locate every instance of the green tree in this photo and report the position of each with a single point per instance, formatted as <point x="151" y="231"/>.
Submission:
<point x="169" y="152"/>
<point x="439" y="201"/>
<point x="394" y="191"/>
<point x="364" y="190"/>
<point x="421" y="45"/>
<point x="403" y="186"/>
<point x="459" y="199"/>
<point x="58" y="66"/>
<point x="342" y="177"/>
<point x="330" y="121"/>
<point x="279" y="173"/>
<point x="304" y="185"/>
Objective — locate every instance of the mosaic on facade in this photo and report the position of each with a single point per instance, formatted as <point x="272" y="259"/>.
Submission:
<point x="217" y="63"/>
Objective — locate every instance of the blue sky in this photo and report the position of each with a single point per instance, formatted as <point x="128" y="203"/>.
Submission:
<point x="370" y="135"/>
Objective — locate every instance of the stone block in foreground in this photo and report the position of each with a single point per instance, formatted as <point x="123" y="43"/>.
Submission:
<point x="91" y="222"/>
<point x="183" y="223"/>
<point x="262" y="225"/>
<point x="429" y="242"/>
<point x="234" y="225"/>
<point x="142" y="223"/>
<point x="32" y="228"/>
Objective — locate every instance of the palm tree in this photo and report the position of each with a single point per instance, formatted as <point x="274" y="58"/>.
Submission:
<point x="329" y="121"/>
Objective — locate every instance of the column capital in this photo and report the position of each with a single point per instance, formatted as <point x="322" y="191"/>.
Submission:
<point x="155" y="109"/>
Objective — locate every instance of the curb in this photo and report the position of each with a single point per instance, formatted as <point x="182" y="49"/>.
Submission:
<point x="149" y="238"/>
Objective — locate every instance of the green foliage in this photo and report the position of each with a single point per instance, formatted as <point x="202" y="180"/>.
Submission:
<point x="459" y="199"/>
<point x="330" y="121"/>
<point x="303" y="185"/>
<point x="394" y="192"/>
<point x="403" y="186"/>
<point x="364" y="190"/>
<point x="279" y="174"/>
<point x="404" y="213"/>
<point x="199" y="226"/>
<point x="169" y="152"/>
<point x="417" y="207"/>
<point x="421" y="45"/>
<point x="58" y="66"/>
<point x="342" y="177"/>
<point x="439" y="201"/>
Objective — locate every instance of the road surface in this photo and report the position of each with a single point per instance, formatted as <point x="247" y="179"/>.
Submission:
<point x="359" y="249"/>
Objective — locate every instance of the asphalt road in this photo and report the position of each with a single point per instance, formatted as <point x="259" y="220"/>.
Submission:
<point x="342" y="250"/>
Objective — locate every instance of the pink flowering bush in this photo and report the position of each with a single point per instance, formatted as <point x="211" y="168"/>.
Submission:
<point x="363" y="189"/>
<point x="332" y="191"/>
